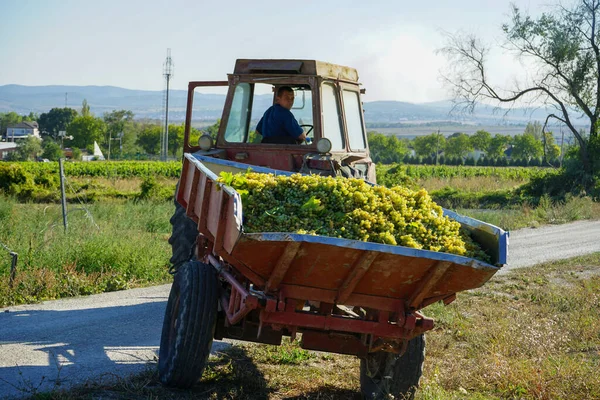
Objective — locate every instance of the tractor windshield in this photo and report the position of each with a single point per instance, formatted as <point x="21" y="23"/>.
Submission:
<point x="251" y="100"/>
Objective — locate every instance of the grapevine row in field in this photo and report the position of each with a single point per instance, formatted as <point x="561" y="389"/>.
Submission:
<point x="444" y="171"/>
<point x="125" y="169"/>
<point x="108" y="169"/>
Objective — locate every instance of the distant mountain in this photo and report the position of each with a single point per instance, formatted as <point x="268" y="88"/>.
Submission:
<point x="149" y="104"/>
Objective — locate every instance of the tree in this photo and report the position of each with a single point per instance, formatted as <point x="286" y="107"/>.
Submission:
<point x="86" y="131"/>
<point x="213" y="130"/>
<point x="386" y="149"/>
<point x="481" y="140"/>
<point x="551" y="149"/>
<point x="56" y="120"/>
<point x="526" y="147"/>
<point x="175" y="138"/>
<point x="115" y="123"/>
<point x="85" y="109"/>
<point x="51" y="149"/>
<point x="564" y="47"/>
<point x="149" y="138"/>
<point x="534" y="129"/>
<point x="459" y="145"/>
<point x="7" y="119"/>
<point x="429" y="145"/>
<point x="498" y="144"/>
<point x="31" y="117"/>
<point x="28" y="149"/>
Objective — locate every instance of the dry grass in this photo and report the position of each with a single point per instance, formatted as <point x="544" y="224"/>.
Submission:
<point x="531" y="334"/>
<point x="470" y="184"/>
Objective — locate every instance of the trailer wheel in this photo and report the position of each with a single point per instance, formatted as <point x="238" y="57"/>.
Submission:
<point x="189" y="325"/>
<point x="183" y="237"/>
<point x="385" y="375"/>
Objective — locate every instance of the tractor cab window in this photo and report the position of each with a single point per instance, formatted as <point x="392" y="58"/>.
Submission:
<point x="251" y="100"/>
<point x="332" y="129"/>
<point x="239" y="115"/>
<point x="302" y="108"/>
<point x="354" y="123"/>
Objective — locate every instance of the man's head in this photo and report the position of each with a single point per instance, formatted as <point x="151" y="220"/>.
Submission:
<point x="285" y="97"/>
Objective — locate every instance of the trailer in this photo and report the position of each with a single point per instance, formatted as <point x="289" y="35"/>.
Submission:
<point x="339" y="295"/>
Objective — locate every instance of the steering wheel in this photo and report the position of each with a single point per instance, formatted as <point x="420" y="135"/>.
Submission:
<point x="309" y="126"/>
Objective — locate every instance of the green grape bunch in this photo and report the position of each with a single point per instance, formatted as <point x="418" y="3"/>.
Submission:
<point x="348" y="208"/>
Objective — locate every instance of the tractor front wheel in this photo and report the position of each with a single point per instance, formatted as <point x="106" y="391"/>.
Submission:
<point x="386" y="375"/>
<point x="189" y="325"/>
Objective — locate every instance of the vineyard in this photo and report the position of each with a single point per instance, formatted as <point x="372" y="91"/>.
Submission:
<point x="172" y="169"/>
<point x="384" y="172"/>
<point x="107" y="169"/>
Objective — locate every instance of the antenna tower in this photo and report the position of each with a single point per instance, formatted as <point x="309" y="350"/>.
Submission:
<point x="164" y="138"/>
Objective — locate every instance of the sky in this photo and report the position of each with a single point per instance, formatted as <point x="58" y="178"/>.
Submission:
<point x="124" y="43"/>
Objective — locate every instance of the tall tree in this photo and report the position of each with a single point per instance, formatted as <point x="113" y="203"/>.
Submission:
<point x="526" y="146"/>
<point x="458" y="145"/>
<point x="498" y="144"/>
<point x="7" y="119"/>
<point x="115" y="123"/>
<point x="86" y="131"/>
<point x="534" y="129"/>
<point x="428" y="146"/>
<point x="551" y="149"/>
<point x="56" y="120"/>
<point x="564" y="48"/>
<point x="149" y="138"/>
<point x="386" y="149"/>
<point x="481" y="139"/>
<point x="85" y="108"/>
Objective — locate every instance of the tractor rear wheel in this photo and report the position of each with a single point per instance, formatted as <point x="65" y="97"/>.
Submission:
<point x="183" y="237"/>
<point x="189" y="325"/>
<point x="386" y="375"/>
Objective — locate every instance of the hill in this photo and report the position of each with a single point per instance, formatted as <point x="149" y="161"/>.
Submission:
<point x="148" y="104"/>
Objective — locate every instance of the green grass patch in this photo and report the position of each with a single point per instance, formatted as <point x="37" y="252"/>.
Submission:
<point x="108" y="246"/>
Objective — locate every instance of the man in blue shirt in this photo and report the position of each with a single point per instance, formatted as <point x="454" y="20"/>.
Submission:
<point x="278" y="124"/>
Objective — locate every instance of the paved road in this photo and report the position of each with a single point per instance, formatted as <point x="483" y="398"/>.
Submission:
<point x="533" y="246"/>
<point x="66" y="342"/>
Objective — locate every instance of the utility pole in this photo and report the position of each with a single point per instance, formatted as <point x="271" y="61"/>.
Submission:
<point x="66" y="96"/>
<point x="62" y="192"/>
<point x="437" y="145"/>
<point x="168" y="74"/>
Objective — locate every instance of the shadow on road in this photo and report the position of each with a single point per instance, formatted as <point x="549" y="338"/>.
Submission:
<point x="42" y="350"/>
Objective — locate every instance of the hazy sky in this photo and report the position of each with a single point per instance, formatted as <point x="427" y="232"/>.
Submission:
<point x="124" y="43"/>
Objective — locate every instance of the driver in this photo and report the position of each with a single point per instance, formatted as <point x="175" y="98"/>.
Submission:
<point x="278" y="124"/>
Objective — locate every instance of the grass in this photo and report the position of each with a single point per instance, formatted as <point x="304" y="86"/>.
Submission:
<point x="546" y="212"/>
<point x="108" y="246"/>
<point x="470" y="184"/>
<point x="533" y="333"/>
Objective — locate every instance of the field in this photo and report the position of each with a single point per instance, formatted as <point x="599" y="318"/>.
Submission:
<point x="118" y="215"/>
<point x="109" y="246"/>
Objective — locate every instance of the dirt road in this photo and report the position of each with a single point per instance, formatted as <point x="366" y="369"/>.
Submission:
<point x="66" y="342"/>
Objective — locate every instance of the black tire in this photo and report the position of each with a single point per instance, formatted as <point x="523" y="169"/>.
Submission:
<point x="183" y="237"/>
<point x="189" y="325"/>
<point x="385" y="375"/>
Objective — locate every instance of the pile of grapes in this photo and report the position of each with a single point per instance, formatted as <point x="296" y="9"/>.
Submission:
<point x="347" y="208"/>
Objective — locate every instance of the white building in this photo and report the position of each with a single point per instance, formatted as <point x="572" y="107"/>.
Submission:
<point x="5" y="148"/>
<point x="22" y="130"/>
